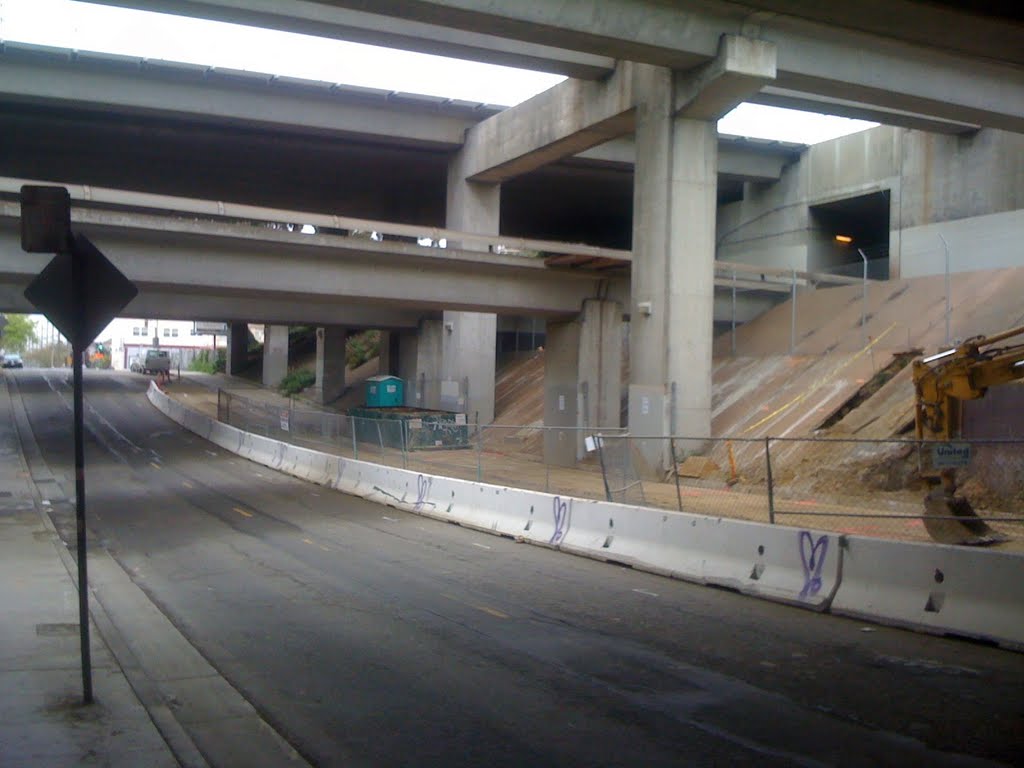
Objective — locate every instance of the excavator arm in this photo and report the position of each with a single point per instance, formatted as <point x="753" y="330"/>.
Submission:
<point x="942" y="383"/>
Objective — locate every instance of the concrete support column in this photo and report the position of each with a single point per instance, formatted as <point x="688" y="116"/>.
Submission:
<point x="330" y="363"/>
<point x="582" y="378"/>
<point x="419" y="364"/>
<point x="238" y="348"/>
<point x="691" y="289"/>
<point x="389" y="354"/>
<point x="673" y="270"/>
<point x="275" y="354"/>
<point x="468" y="349"/>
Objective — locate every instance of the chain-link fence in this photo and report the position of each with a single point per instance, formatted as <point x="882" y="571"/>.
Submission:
<point x="534" y="457"/>
<point x="726" y="477"/>
<point x="863" y="487"/>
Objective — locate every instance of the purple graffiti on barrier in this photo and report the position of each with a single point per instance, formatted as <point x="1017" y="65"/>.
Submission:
<point x="812" y="556"/>
<point x="563" y="519"/>
<point x="422" y="489"/>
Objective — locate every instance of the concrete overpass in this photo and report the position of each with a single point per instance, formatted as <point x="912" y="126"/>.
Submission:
<point x="676" y="69"/>
<point x="890" y="60"/>
<point x="218" y="261"/>
<point x="189" y="131"/>
<point x="310" y="278"/>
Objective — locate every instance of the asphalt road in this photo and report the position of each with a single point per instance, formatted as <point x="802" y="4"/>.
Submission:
<point x="367" y="636"/>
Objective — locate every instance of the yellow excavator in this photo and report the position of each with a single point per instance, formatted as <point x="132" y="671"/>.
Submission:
<point x="941" y="383"/>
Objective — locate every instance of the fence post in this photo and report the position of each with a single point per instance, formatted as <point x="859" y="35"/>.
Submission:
<point x="479" y="450"/>
<point x="945" y="247"/>
<point x="863" y="297"/>
<point x="380" y="440"/>
<point x="675" y="472"/>
<point x="771" y="487"/>
<point x="604" y="471"/>
<point x="355" y="443"/>
<point x="734" y="313"/>
<point x="792" y="317"/>
<point x="403" y="424"/>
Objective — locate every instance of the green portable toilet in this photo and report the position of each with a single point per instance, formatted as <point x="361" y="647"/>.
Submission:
<point x="385" y="392"/>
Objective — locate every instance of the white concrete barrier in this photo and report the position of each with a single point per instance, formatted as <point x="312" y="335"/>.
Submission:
<point x="934" y="588"/>
<point x="796" y="566"/>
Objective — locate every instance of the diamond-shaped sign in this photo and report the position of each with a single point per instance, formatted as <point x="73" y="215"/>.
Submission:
<point x="80" y="311"/>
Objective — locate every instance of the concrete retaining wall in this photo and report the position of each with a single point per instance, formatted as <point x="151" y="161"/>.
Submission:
<point x="980" y="242"/>
<point x="933" y="588"/>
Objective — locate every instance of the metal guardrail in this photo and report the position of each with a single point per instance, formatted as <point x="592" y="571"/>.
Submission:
<point x="218" y="209"/>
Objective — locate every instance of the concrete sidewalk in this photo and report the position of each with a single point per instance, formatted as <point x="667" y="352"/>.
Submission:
<point x="42" y="718"/>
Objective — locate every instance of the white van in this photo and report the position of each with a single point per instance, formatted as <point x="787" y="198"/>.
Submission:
<point x="152" y="361"/>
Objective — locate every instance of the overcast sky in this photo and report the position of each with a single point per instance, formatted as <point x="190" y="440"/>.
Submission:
<point x="84" y="26"/>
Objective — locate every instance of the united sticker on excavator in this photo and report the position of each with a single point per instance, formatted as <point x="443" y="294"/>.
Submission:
<point x="951" y="455"/>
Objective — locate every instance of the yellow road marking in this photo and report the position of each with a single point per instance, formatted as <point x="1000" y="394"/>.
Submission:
<point x="242" y="512"/>
<point x="307" y="541"/>
<point x="187" y="484"/>
<point x="154" y="465"/>
<point x="491" y="611"/>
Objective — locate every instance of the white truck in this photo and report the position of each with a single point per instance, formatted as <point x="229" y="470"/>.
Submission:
<point x="152" y="361"/>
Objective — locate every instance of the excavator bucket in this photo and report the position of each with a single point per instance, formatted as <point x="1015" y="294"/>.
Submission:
<point x="950" y="519"/>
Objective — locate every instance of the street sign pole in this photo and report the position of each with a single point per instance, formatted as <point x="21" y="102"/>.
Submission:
<point x="79" y="291"/>
<point x="83" y="571"/>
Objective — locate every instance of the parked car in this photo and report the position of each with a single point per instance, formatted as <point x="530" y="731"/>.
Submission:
<point x="13" y="360"/>
<point x="152" y="361"/>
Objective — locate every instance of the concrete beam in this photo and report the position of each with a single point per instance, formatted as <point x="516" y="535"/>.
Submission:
<point x="570" y="118"/>
<point x="324" y="20"/>
<point x="813" y="57"/>
<point x="773" y="96"/>
<point x="576" y="115"/>
<point x="738" y="158"/>
<point x="184" y="256"/>
<point x="741" y="67"/>
<point x="192" y="92"/>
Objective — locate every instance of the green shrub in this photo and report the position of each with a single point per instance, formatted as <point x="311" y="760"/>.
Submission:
<point x="296" y="381"/>
<point x="205" y="362"/>
<point x="361" y="347"/>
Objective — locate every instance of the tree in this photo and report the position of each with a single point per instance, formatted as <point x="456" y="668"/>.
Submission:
<point x="18" y="334"/>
